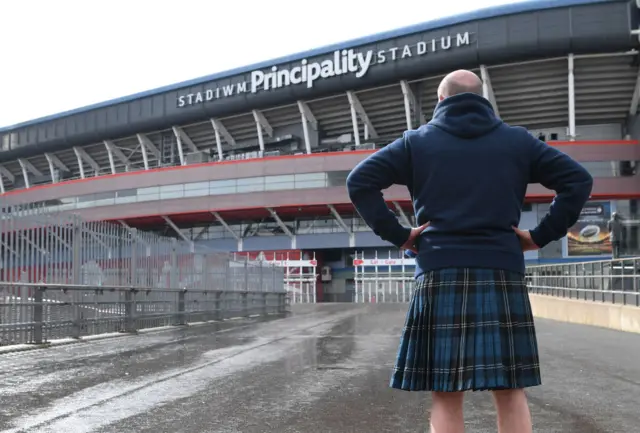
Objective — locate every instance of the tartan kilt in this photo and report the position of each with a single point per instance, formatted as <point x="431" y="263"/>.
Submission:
<point x="468" y="329"/>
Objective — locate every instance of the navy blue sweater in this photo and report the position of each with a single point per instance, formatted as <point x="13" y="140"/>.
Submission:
<point x="467" y="173"/>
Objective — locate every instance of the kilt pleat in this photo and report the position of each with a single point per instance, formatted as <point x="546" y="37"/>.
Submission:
<point x="468" y="329"/>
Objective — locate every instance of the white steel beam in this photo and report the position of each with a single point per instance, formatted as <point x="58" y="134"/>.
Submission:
<point x="178" y="231"/>
<point x="224" y="224"/>
<point x="341" y="223"/>
<point x="30" y="167"/>
<point x="262" y="125"/>
<point x="572" y="98"/>
<point x="635" y="98"/>
<point x="307" y="118"/>
<point x="147" y="147"/>
<point x="403" y="216"/>
<point x="406" y="94"/>
<point x="182" y="137"/>
<point x="54" y="162"/>
<point x="178" y="131"/>
<point x="6" y="173"/>
<point x="25" y="172"/>
<point x="220" y="130"/>
<point x="83" y="156"/>
<point x="134" y="233"/>
<point x="114" y="152"/>
<point x="487" y="89"/>
<point x="283" y="226"/>
<point x="308" y="114"/>
<point x="354" y="102"/>
<point x="411" y="102"/>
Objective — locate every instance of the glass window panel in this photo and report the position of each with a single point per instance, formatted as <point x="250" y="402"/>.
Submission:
<point x="280" y="179"/>
<point x="85" y="198"/>
<point x="199" y="192"/>
<point x="171" y="188"/>
<point x="149" y="197"/>
<point x="149" y="190"/>
<point x="259" y="180"/>
<point x="311" y="184"/>
<point x="337" y="178"/>
<point x="197" y="185"/>
<point x="304" y="177"/>
<point x="126" y="199"/>
<point x="278" y="186"/>
<point x="126" y="193"/>
<point x="251" y="188"/>
<point x="220" y="187"/>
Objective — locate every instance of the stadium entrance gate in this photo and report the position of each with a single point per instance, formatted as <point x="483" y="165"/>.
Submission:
<point x="383" y="280"/>
<point x="300" y="273"/>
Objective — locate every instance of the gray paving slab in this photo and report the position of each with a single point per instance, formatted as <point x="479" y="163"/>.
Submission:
<point x="323" y="369"/>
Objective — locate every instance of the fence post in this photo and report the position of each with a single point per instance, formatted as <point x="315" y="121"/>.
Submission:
<point x="76" y="263"/>
<point x="130" y="295"/>
<point x="38" y="316"/>
<point x="181" y="317"/>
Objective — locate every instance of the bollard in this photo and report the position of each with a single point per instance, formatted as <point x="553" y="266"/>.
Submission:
<point x="38" y="316"/>
<point x="181" y="314"/>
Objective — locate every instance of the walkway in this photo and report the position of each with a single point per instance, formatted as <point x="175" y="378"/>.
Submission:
<point x="325" y="369"/>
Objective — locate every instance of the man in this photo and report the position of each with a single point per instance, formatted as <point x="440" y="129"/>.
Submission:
<point x="614" y="225"/>
<point x="469" y="324"/>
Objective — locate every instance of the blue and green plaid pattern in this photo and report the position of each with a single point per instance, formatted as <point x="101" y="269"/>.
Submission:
<point x="468" y="329"/>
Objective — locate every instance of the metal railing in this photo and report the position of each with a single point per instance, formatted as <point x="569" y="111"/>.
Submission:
<point x="615" y="281"/>
<point x="63" y="277"/>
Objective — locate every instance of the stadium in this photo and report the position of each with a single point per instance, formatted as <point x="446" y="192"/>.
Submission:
<point x="254" y="160"/>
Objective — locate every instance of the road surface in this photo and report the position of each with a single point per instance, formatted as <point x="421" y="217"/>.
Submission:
<point x="323" y="369"/>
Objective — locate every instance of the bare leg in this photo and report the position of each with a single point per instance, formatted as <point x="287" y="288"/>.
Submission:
<point x="446" y="412"/>
<point x="513" y="411"/>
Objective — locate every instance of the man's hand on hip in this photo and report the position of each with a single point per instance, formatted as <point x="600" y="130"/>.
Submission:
<point x="410" y="244"/>
<point x="526" y="243"/>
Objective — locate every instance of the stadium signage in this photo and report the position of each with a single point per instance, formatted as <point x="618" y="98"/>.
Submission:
<point x="342" y="62"/>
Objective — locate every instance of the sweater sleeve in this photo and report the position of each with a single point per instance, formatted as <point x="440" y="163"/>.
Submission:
<point x="386" y="167"/>
<point x="571" y="182"/>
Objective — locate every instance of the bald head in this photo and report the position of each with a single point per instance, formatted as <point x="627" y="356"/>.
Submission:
<point x="457" y="82"/>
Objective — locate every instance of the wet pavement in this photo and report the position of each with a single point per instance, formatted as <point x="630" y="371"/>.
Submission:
<point x="323" y="369"/>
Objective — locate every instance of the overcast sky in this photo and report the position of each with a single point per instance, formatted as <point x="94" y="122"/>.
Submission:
<point x="64" y="54"/>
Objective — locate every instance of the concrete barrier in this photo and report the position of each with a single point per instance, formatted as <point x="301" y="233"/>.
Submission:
<point x="605" y="315"/>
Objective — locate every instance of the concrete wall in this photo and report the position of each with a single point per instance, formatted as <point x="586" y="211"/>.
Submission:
<point x="605" y="315"/>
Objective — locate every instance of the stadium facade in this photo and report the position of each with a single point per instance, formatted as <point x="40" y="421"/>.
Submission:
<point x="254" y="160"/>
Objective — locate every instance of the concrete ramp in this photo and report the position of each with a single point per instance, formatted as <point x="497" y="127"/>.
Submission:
<point x="323" y="369"/>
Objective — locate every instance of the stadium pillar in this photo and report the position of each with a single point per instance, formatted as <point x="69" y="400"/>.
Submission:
<point x="83" y="157"/>
<point x="572" y="99"/>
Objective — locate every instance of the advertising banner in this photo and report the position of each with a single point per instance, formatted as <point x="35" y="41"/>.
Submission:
<point x="590" y="235"/>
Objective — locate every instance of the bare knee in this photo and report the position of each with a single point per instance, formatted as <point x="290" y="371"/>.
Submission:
<point x="508" y="398"/>
<point x="452" y="400"/>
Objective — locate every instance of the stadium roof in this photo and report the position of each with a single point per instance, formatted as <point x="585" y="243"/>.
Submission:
<point x="497" y="11"/>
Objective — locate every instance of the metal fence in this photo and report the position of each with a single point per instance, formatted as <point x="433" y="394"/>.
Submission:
<point x="616" y="281"/>
<point x="64" y="277"/>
